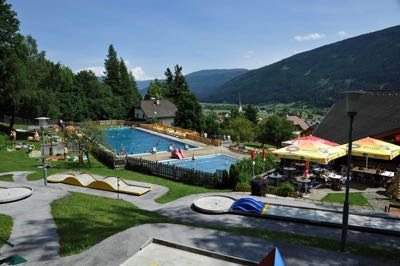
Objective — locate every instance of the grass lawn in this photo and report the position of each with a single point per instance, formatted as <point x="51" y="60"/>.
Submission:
<point x="19" y="161"/>
<point x="355" y="198"/>
<point x="85" y="220"/>
<point x="5" y="228"/>
<point x="7" y="178"/>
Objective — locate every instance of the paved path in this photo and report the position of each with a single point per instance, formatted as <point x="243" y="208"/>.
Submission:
<point x="34" y="232"/>
<point x="249" y="248"/>
<point x="35" y="236"/>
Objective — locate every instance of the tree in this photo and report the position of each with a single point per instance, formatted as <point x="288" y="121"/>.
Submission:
<point x="251" y="113"/>
<point x="240" y="129"/>
<point x="88" y="137"/>
<point x="156" y="90"/>
<point x="127" y="88"/>
<point x="176" y="84"/>
<point x="211" y="125"/>
<point x="112" y="69"/>
<point x="276" y="130"/>
<point x="13" y="55"/>
<point x="189" y="114"/>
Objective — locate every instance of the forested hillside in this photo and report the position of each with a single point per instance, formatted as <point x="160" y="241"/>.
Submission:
<point x="366" y="62"/>
<point x="32" y="86"/>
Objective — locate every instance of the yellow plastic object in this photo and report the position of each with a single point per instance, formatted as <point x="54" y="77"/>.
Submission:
<point x="113" y="184"/>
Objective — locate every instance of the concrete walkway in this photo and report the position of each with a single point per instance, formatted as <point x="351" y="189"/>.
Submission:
<point x="129" y="242"/>
<point x="35" y="237"/>
<point x="34" y="232"/>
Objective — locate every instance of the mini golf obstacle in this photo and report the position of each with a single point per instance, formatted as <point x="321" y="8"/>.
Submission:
<point x="11" y="194"/>
<point x="110" y="183"/>
<point x="374" y="222"/>
<point x="225" y="204"/>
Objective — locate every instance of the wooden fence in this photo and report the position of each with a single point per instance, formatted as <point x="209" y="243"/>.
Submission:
<point x="214" y="142"/>
<point x="176" y="173"/>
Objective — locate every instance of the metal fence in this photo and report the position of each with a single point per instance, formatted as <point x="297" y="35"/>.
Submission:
<point x="176" y="173"/>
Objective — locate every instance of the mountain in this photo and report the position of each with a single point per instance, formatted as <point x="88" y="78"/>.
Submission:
<point x="366" y="62"/>
<point x="202" y="82"/>
<point x="142" y="86"/>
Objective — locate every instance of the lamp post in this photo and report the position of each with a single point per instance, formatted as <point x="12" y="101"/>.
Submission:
<point x="352" y="102"/>
<point x="43" y="124"/>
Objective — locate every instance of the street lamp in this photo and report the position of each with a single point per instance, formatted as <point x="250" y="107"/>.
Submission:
<point x="352" y="103"/>
<point x="43" y="124"/>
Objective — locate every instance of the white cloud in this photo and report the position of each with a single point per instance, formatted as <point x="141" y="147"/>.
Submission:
<point x="139" y="73"/>
<point x="309" y="37"/>
<point x="248" y="54"/>
<point x="99" y="71"/>
<point x="342" y="34"/>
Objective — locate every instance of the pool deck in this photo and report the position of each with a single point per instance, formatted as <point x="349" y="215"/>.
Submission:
<point x="202" y="149"/>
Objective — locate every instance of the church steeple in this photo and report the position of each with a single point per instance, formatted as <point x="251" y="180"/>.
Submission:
<point x="240" y="105"/>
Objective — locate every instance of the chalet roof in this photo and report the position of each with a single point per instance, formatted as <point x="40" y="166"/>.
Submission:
<point x="151" y="109"/>
<point x="297" y="121"/>
<point x="379" y="112"/>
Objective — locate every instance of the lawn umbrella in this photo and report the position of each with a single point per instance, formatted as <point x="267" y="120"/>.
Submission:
<point x="311" y="151"/>
<point x="373" y="148"/>
<point x="312" y="138"/>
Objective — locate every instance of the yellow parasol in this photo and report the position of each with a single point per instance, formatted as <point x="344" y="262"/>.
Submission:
<point x="312" y="151"/>
<point x="373" y="148"/>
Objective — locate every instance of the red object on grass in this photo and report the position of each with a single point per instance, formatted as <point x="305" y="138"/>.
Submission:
<point x="253" y="154"/>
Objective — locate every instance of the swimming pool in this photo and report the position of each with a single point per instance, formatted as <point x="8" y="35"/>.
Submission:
<point x="136" y="141"/>
<point x="209" y="163"/>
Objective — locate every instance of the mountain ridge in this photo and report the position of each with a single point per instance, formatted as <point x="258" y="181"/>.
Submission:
<point x="369" y="61"/>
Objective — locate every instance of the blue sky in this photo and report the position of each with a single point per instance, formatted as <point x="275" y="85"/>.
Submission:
<point x="197" y="34"/>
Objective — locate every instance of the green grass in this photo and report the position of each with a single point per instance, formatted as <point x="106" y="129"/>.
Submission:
<point x="6" y="225"/>
<point x="85" y="220"/>
<point x="7" y="178"/>
<point x="19" y="161"/>
<point x="355" y="198"/>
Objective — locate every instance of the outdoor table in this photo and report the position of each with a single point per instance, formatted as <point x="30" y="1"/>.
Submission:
<point x="304" y="181"/>
<point x="387" y="174"/>
<point x="275" y="176"/>
<point x="335" y="180"/>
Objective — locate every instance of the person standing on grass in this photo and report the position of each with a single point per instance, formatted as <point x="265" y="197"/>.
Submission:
<point x="13" y="138"/>
<point x="65" y="152"/>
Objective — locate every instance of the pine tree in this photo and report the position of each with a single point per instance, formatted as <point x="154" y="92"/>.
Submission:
<point x="156" y="90"/>
<point x="175" y="84"/>
<point x="112" y="69"/>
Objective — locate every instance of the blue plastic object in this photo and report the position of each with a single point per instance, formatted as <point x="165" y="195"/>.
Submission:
<point x="248" y="205"/>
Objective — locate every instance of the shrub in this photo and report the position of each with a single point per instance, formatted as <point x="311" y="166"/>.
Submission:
<point x="242" y="171"/>
<point x="3" y="141"/>
<point x="244" y="187"/>
<point x="286" y="187"/>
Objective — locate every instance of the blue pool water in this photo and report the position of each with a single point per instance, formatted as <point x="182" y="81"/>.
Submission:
<point x="136" y="141"/>
<point x="209" y="163"/>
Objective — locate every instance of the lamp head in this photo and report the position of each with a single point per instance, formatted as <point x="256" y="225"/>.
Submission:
<point x="353" y="101"/>
<point x="43" y="121"/>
